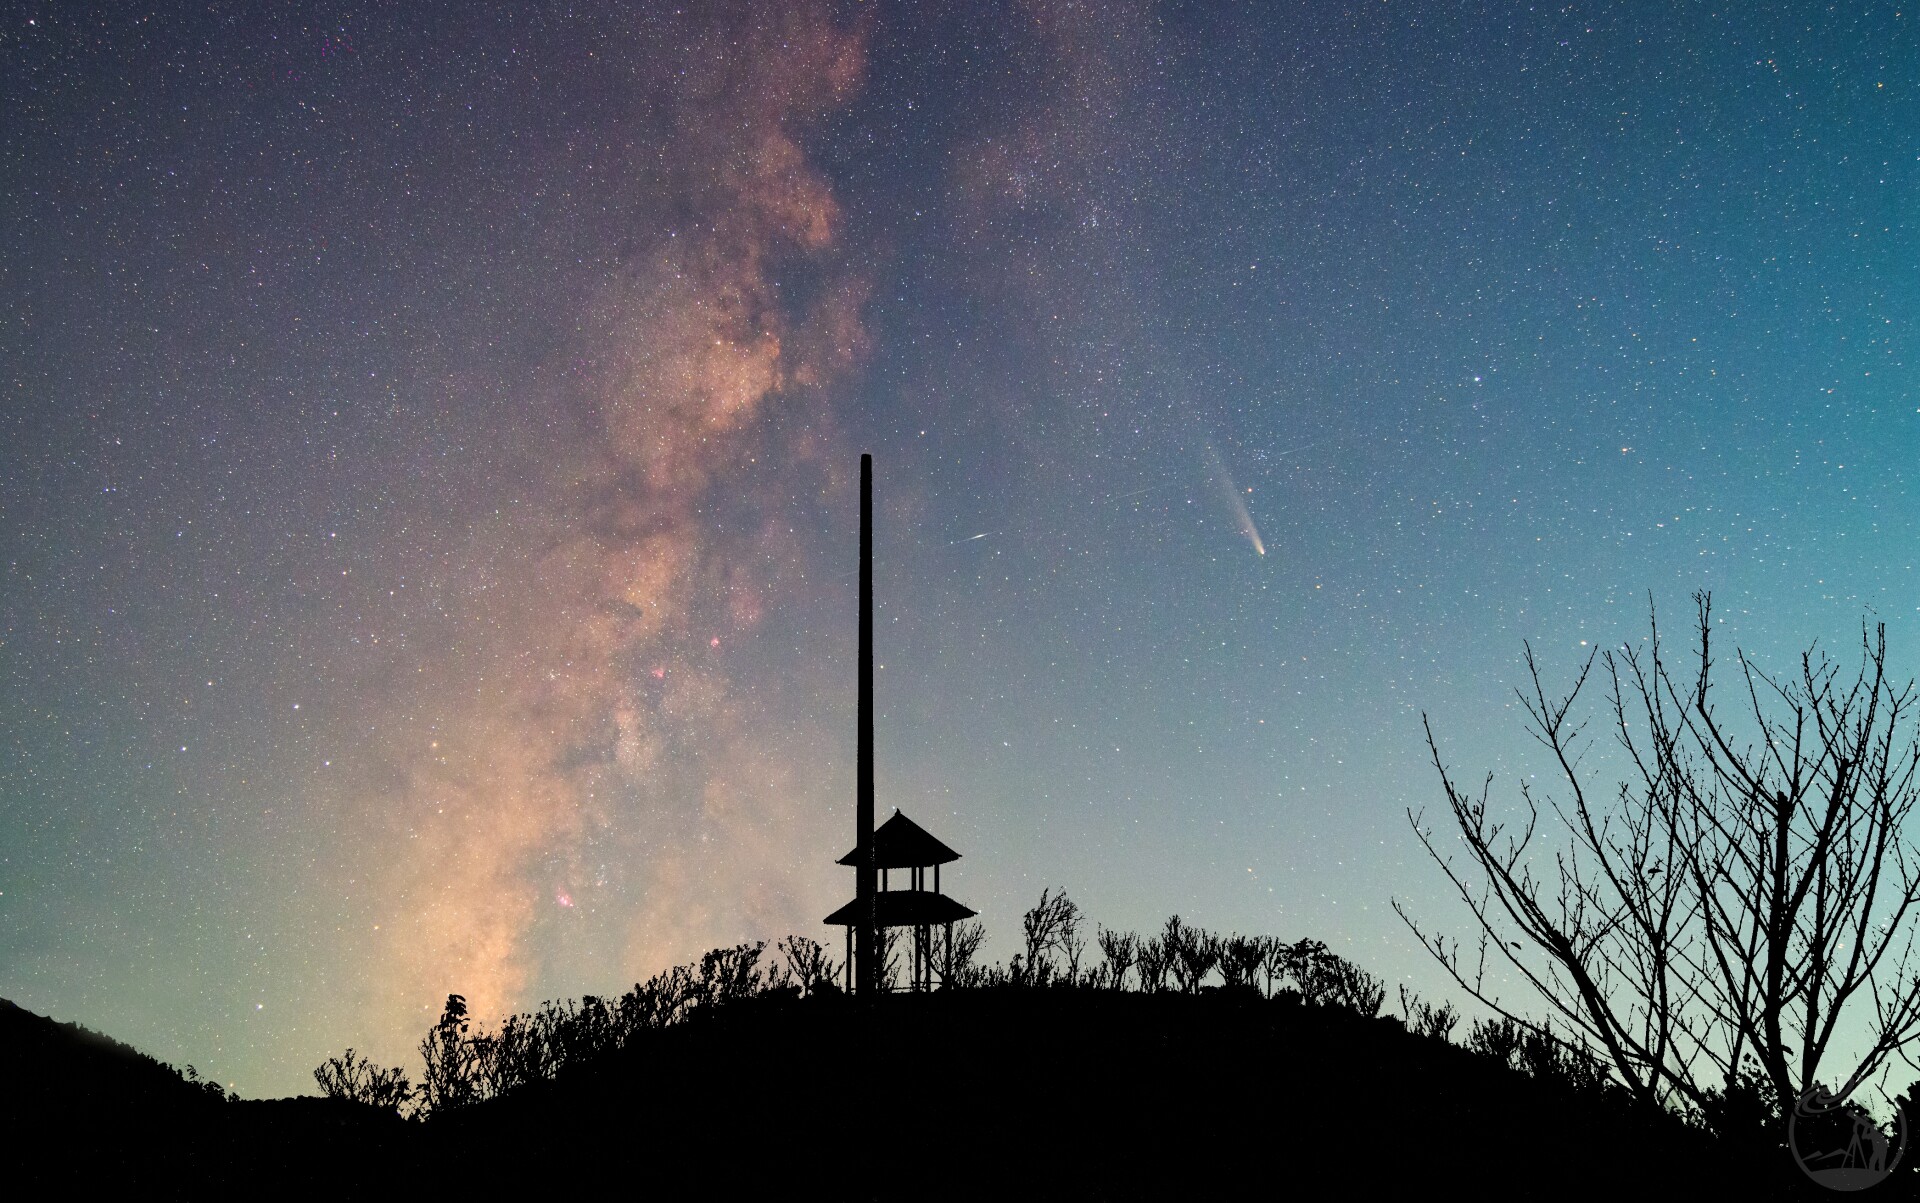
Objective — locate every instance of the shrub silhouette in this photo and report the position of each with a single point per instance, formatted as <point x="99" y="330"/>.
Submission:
<point x="451" y="1078"/>
<point x="1240" y="960"/>
<point x="1120" y="949"/>
<point x="890" y="940"/>
<point x="958" y="949"/>
<point x="213" y="1090"/>
<point x="808" y="968"/>
<point x="1746" y="1111"/>
<point x="1324" y="978"/>
<point x="1051" y="929"/>
<point x="1547" y="1057"/>
<point x="1311" y="966"/>
<point x="1495" y="1039"/>
<point x="1192" y="953"/>
<point x="1153" y="963"/>
<point x="1275" y="957"/>
<point x="1424" y="1019"/>
<point x="1514" y="1095"/>
<point x="1356" y="989"/>
<point x="357" y="1080"/>
<point x="465" y="1064"/>
<point x="730" y="974"/>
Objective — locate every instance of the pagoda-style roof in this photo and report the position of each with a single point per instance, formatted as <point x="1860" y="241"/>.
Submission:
<point x="905" y="908"/>
<point x="901" y="843"/>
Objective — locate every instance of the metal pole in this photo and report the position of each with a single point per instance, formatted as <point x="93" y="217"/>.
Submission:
<point x="866" y="943"/>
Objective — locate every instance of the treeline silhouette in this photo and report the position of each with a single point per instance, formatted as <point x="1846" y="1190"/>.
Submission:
<point x="1242" y="1056"/>
<point x="463" y="1064"/>
<point x="1094" y="1063"/>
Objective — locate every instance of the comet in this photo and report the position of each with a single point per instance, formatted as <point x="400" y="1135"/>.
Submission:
<point x="1236" y="501"/>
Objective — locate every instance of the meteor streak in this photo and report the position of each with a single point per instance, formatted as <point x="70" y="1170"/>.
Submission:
<point x="1141" y="492"/>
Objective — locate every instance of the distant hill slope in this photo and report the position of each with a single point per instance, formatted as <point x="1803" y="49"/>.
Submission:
<point x="50" y="1064"/>
<point x="79" y="1108"/>
<point x="1002" y="1093"/>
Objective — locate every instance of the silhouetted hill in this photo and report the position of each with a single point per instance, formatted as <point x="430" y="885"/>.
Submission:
<point x="1074" y="1093"/>
<point x="1014" y="1093"/>
<point x="63" y="1065"/>
<point x="79" y="1108"/>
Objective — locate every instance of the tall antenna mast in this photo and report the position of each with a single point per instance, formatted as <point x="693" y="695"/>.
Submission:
<point x="866" y="881"/>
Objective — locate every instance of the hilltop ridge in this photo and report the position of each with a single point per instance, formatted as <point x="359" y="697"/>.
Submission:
<point x="1022" y="1093"/>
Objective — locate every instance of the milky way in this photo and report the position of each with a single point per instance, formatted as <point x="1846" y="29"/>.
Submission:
<point x="593" y="629"/>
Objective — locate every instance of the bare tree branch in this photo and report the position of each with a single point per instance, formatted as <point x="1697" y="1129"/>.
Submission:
<point x="1748" y="891"/>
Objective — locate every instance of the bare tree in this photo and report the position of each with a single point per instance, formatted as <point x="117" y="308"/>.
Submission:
<point x="1050" y="928"/>
<point x="1750" y="883"/>
<point x="1120" y="949"/>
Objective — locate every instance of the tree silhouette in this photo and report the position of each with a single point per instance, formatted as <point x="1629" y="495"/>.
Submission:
<point x="1750" y="885"/>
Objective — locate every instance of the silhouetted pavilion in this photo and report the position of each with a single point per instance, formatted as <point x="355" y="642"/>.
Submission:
<point x="901" y="843"/>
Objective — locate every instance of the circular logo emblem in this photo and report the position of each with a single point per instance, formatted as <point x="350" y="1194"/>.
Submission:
<point x="1838" y="1144"/>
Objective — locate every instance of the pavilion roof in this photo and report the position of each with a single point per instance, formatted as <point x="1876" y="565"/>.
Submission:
<point x="905" y="908"/>
<point x="901" y="843"/>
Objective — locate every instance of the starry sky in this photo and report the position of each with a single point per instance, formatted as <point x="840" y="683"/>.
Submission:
<point x="430" y="435"/>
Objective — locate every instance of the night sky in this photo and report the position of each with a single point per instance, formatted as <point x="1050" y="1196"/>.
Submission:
<point x="430" y="448"/>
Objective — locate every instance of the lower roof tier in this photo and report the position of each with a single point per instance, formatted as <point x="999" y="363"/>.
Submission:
<point x="904" y="908"/>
